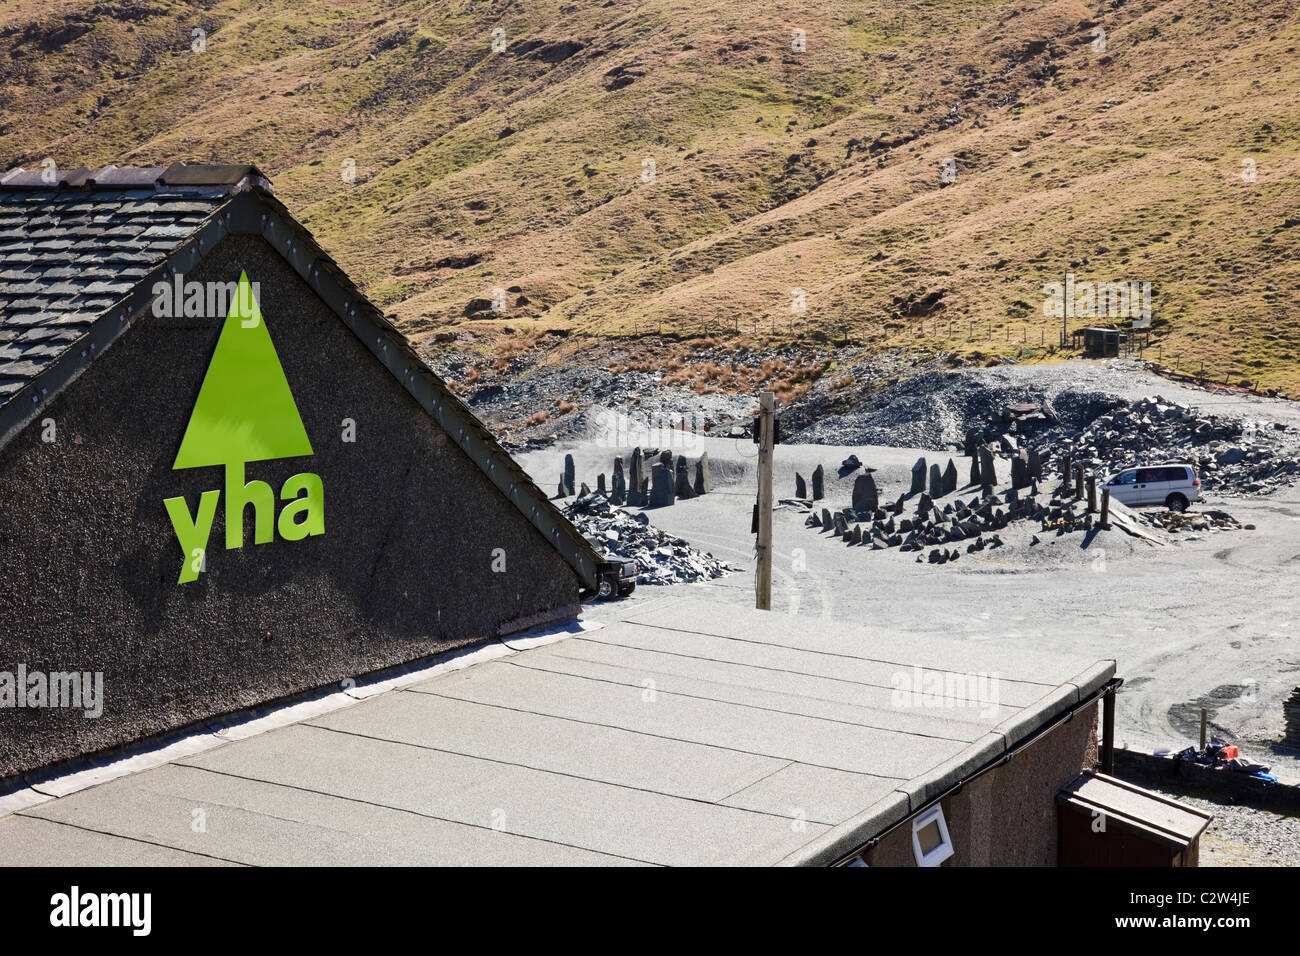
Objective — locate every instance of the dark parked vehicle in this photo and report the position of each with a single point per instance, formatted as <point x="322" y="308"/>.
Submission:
<point x="616" y="577"/>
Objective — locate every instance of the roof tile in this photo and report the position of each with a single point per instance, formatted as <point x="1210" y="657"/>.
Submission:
<point x="20" y="369"/>
<point x="67" y="257"/>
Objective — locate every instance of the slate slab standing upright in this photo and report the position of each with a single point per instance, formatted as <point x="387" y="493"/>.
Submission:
<point x="1035" y="465"/>
<point x="973" y="437"/>
<point x="662" y="485"/>
<point x="1019" y="472"/>
<point x="600" y="485"/>
<point x="936" y="481"/>
<point x="570" y="474"/>
<point x="636" y="479"/>
<point x="818" y="483"/>
<point x="684" y="489"/>
<point x="950" y="478"/>
<point x="703" y="480"/>
<point x="918" y="477"/>
<point x="988" y="473"/>
<point x="975" y="468"/>
<point x="865" y="495"/>
<point x="800" y="486"/>
<point x="618" y="489"/>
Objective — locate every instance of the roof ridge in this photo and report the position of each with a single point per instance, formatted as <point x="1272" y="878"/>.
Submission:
<point x="236" y="178"/>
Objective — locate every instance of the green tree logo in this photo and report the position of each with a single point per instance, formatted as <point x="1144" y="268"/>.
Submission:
<point x="245" y="412"/>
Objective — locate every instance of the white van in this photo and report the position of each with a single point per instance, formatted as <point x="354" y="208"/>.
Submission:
<point x="1174" y="486"/>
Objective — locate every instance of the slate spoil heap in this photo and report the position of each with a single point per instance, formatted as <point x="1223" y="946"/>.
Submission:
<point x="661" y="558"/>
<point x="1230" y="457"/>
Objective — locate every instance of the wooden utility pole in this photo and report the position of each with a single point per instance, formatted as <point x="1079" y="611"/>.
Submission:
<point x="1067" y="302"/>
<point x="763" y="547"/>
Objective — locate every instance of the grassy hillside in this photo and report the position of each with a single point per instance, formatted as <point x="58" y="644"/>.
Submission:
<point x="773" y="169"/>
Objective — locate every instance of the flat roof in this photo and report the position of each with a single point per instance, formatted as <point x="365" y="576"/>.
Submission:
<point x="674" y="733"/>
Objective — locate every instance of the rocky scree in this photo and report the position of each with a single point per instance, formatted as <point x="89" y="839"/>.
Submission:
<point x="1230" y="457"/>
<point x="661" y="558"/>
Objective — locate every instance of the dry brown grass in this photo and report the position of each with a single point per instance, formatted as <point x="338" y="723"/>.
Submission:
<point x="787" y="380"/>
<point x="774" y="171"/>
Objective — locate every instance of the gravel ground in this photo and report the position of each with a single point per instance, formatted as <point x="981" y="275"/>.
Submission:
<point x="1245" y="836"/>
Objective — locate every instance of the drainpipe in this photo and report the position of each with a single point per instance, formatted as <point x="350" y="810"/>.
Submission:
<point x="1108" y="727"/>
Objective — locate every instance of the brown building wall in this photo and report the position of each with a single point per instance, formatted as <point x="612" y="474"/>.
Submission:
<point x="89" y="561"/>
<point x="1008" y="816"/>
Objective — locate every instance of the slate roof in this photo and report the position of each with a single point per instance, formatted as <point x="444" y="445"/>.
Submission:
<point x="79" y="257"/>
<point x="69" y="252"/>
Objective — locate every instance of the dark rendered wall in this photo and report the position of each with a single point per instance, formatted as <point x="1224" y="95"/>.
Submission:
<point x="89" y="561"/>
<point x="1008" y="816"/>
